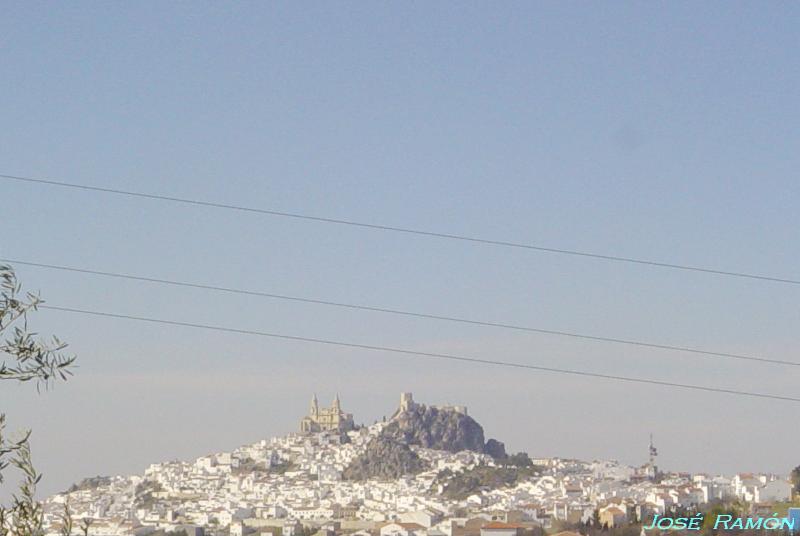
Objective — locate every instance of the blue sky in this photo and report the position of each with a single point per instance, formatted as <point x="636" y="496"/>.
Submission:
<point x="659" y="131"/>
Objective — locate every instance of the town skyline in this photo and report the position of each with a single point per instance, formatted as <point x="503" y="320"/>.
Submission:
<point x="332" y="473"/>
<point x="636" y="454"/>
<point x="283" y="183"/>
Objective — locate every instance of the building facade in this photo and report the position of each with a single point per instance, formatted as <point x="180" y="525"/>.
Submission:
<point x="326" y="419"/>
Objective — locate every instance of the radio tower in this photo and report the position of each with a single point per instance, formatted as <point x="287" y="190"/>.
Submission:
<point x="653" y="452"/>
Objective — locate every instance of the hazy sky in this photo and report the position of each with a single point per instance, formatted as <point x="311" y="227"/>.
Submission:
<point x="661" y="131"/>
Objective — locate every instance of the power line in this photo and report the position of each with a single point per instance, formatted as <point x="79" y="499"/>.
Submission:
<point x="430" y="355"/>
<point x="419" y="232"/>
<point x="414" y="314"/>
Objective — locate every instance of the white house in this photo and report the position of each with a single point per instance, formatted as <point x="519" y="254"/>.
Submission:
<point x="403" y="529"/>
<point x="775" y="491"/>
<point x="426" y="517"/>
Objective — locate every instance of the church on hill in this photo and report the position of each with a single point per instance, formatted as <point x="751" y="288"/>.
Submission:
<point x="325" y="419"/>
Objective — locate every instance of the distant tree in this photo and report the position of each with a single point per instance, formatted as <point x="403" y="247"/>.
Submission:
<point x="24" y="358"/>
<point x="66" y="521"/>
<point x="796" y="478"/>
<point x="733" y="509"/>
<point x="86" y="524"/>
<point x="304" y="530"/>
<point x="520" y="459"/>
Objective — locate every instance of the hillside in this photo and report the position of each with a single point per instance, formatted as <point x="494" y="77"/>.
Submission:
<point x="385" y="459"/>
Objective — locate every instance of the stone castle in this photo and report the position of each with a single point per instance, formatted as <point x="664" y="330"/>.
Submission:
<point x="407" y="404"/>
<point x="326" y="419"/>
<point x="334" y="419"/>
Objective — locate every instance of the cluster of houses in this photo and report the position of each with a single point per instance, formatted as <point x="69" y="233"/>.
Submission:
<point x="293" y="486"/>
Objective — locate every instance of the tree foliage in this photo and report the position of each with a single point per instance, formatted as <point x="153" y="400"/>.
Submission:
<point x="459" y="486"/>
<point x="520" y="459"/>
<point x="796" y="478"/>
<point x="24" y="357"/>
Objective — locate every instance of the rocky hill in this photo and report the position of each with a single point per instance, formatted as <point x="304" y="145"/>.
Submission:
<point x="385" y="459"/>
<point x="389" y="455"/>
<point x="441" y="429"/>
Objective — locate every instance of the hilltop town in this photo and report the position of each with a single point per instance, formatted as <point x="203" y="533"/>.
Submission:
<point x="426" y="471"/>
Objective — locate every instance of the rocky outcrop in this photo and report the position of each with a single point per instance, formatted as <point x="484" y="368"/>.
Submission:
<point x="433" y="428"/>
<point x="389" y="455"/>
<point x="441" y="429"/>
<point x="386" y="459"/>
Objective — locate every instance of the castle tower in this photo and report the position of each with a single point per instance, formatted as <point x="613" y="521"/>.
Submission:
<point x="406" y="402"/>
